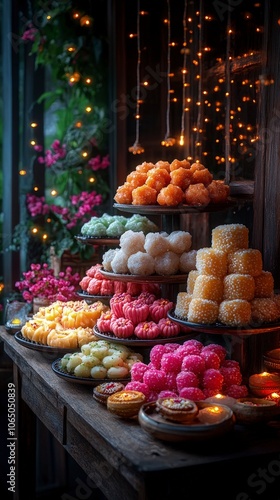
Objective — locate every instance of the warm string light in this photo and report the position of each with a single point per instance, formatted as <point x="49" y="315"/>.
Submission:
<point x="198" y="143"/>
<point x="228" y="102"/>
<point x="136" y="148"/>
<point x="168" y="140"/>
<point x="184" y="73"/>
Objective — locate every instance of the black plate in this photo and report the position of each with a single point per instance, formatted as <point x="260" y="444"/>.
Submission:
<point x="86" y="295"/>
<point x="96" y="240"/>
<point x="140" y="342"/>
<point x="30" y="344"/>
<point x="219" y="328"/>
<point x="83" y="380"/>
<point x="152" y="278"/>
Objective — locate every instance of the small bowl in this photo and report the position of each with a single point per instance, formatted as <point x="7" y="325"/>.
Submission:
<point x="271" y="360"/>
<point x="255" y="410"/>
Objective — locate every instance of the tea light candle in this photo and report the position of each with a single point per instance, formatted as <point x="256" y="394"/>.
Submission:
<point x="221" y="399"/>
<point x="274" y="396"/>
<point x="213" y="414"/>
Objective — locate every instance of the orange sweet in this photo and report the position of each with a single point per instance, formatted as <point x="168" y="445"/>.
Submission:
<point x="197" y="194"/>
<point x="124" y="194"/>
<point x="170" y="196"/>
<point x="181" y="177"/>
<point x="144" y="195"/>
<point x="157" y="178"/>
<point x="136" y="179"/>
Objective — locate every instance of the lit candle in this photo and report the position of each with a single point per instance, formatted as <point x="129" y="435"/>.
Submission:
<point x="213" y="414"/>
<point x="274" y="396"/>
<point x="263" y="384"/>
<point x="221" y="399"/>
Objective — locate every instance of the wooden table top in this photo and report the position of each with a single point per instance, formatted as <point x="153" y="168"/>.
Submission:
<point x="83" y="426"/>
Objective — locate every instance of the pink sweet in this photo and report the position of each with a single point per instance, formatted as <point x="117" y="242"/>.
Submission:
<point x="153" y="396"/>
<point x="119" y="287"/>
<point x="147" y="297"/>
<point x="171" y="381"/>
<point x="231" y="376"/>
<point x="194" y="342"/>
<point x="107" y="287"/>
<point x="136" y="311"/>
<point x="167" y="394"/>
<point x="133" y="288"/>
<point x="193" y="363"/>
<point x="159" y="309"/>
<point x="155" y="379"/>
<point x="84" y="283"/>
<point x="156" y="354"/>
<point x="212" y="379"/>
<point x="230" y="363"/>
<point x="209" y="393"/>
<point x="192" y="393"/>
<point x="137" y="371"/>
<point x="171" y="347"/>
<point x="138" y="386"/>
<point x="147" y="330"/>
<point x="94" y="286"/>
<point x="184" y="350"/>
<point x="170" y="362"/>
<point x="168" y="328"/>
<point x="212" y="359"/>
<point x="186" y="379"/>
<point x="218" y="349"/>
<point x="237" y="391"/>
<point x="117" y="302"/>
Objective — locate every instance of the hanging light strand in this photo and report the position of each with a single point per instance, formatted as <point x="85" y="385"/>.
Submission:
<point x="199" y="103"/>
<point x="184" y="72"/>
<point x="168" y="141"/>
<point x="228" y="102"/>
<point x="137" y="148"/>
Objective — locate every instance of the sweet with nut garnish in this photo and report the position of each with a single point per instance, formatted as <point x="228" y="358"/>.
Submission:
<point x="126" y="403"/>
<point x="177" y="409"/>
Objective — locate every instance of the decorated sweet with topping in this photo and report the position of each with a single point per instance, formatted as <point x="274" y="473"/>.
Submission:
<point x="177" y="409"/>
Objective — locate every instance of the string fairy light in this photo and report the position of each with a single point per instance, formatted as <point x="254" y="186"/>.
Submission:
<point x="136" y="148"/>
<point x="184" y="73"/>
<point x="168" y="140"/>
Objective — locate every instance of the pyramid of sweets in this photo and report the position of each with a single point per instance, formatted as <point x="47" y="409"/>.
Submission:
<point x="229" y="285"/>
<point x="171" y="184"/>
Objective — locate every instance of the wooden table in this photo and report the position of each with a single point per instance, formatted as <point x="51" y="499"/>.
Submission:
<point x="123" y="460"/>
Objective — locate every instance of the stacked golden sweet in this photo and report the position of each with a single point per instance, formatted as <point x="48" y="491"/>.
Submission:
<point x="64" y="324"/>
<point x="229" y="284"/>
<point x="171" y="184"/>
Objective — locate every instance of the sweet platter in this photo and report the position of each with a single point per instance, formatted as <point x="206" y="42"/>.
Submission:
<point x="153" y="278"/>
<point x="82" y="380"/>
<point x="96" y="240"/>
<point x="219" y="328"/>
<point x="140" y="342"/>
<point x="180" y="209"/>
<point x="159" y="427"/>
<point x="35" y="346"/>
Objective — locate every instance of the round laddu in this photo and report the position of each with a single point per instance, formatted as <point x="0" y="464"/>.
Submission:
<point x="264" y="285"/>
<point x="203" y="311"/>
<point x="212" y="262"/>
<point x="191" y="280"/>
<point x="246" y="261"/>
<point x="239" y="286"/>
<point x="182" y="304"/>
<point x="230" y="237"/>
<point x="236" y="312"/>
<point x="187" y="261"/>
<point x="156" y="244"/>
<point x="208" y="287"/>
<point x="264" y="310"/>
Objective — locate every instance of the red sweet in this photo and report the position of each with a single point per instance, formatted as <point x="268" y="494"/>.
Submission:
<point x="186" y="379"/>
<point x="133" y="288"/>
<point x="138" y="386"/>
<point x="167" y="394"/>
<point x="193" y="363"/>
<point x="193" y="342"/>
<point x="94" y="286"/>
<point x="153" y="396"/>
<point x="230" y="363"/>
<point x="212" y="379"/>
<point x="137" y="371"/>
<point x="160" y="308"/>
<point x="117" y="302"/>
<point x="170" y="362"/>
<point x="104" y="321"/>
<point x="171" y="381"/>
<point x="231" y="375"/>
<point x="218" y="349"/>
<point x="237" y="391"/>
<point x="122" y="328"/>
<point x="136" y="310"/>
<point x="92" y="271"/>
<point x="155" y="379"/>
<point x="185" y="350"/>
<point x="209" y="393"/>
<point x="147" y="297"/>
<point x="171" y="347"/>
<point x="192" y="393"/>
<point x="98" y="275"/>
<point x="147" y="330"/>
<point x="107" y="287"/>
<point x="168" y="328"/>
<point x="212" y="359"/>
<point x="156" y="354"/>
<point x="84" y="283"/>
<point x="120" y="287"/>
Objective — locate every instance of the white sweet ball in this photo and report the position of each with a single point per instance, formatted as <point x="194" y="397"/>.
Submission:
<point x="132" y="242"/>
<point x="167" y="264"/>
<point x="180" y="241"/>
<point x="188" y="261"/>
<point x="119" y="263"/>
<point x="108" y="257"/>
<point x="141" y="264"/>
<point x="156" y="244"/>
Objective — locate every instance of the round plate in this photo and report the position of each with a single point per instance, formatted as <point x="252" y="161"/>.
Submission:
<point x="140" y="342"/>
<point x="86" y="295"/>
<point x="219" y="328"/>
<point x="180" y="209"/>
<point x="152" y="422"/>
<point x="83" y="380"/>
<point x="96" y="240"/>
<point x="30" y="344"/>
<point x="154" y="278"/>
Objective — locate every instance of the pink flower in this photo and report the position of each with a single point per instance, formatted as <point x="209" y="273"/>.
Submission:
<point x="30" y="34"/>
